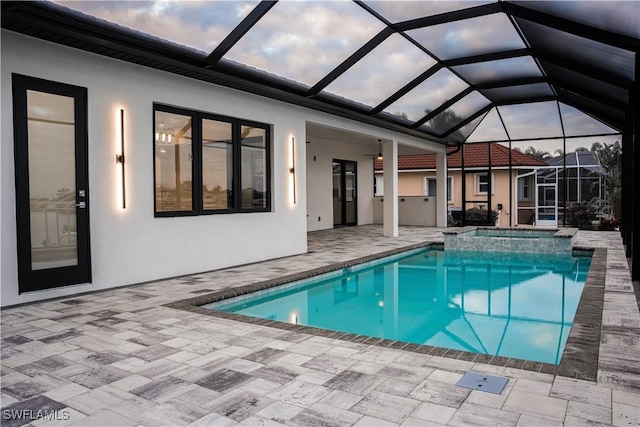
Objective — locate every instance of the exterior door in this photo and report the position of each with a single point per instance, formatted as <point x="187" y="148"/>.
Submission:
<point x="547" y="211"/>
<point x="52" y="194"/>
<point x="345" y="193"/>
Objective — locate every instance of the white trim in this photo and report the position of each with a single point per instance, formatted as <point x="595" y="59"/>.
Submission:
<point x="476" y="183"/>
<point x="425" y="186"/>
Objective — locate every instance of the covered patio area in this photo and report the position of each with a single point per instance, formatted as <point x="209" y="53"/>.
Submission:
<point x="121" y="357"/>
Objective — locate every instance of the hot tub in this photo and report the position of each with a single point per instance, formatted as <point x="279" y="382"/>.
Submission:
<point x="519" y="240"/>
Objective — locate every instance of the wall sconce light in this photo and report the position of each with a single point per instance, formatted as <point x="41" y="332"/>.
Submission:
<point x="292" y="169"/>
<point x="120" y="158"/>
<point x="379" y="149"/>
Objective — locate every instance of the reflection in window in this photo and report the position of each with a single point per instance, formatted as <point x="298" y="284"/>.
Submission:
<point x="217" y="165"/>
<point x="51" y="131"/>
<point x="173" y="152"/>
<point x="208" y="164"/>
<point x="254" y="158"/>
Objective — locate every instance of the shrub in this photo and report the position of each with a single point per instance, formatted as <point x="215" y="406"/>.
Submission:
<point x="581" y="215"/>
<point x="608" y="224"/>
<point x="479" y="215"/>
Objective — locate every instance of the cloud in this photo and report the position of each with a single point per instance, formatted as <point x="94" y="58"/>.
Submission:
<point x="474" y="36"/>
<point x="428" y="95"/>
<point x="532" y="120"/>
<point x="490" y="129"/>
<point x="386" y="69"/>
<point x="398" y="11"/>
<point x="502" y="69"/>
<point x="304" y="41"/>
<point x="197" y="24"/>
<point x="577" y="123"/>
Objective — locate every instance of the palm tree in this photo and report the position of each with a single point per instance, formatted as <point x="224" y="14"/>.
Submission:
<point x="537" y="153"/>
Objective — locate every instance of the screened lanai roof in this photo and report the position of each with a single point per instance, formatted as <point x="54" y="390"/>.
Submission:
<point x="449" y="71"/>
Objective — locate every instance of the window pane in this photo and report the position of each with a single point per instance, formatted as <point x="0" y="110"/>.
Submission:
<point x="52" y="183"/>
<point x="254" y="161"/>
<point x="174" y="180"/>
<point x="217" y="165"/>
<point x="431" y="187"/>
<point x="483" y="183"/>
<point x="449" y="189"/>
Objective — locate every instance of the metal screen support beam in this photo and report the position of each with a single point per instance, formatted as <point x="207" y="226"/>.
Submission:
<point x="238" y="32"/>
<point x="634" y="111"/>
<point x="564" y="169"/>
<point x="569" y="26"/>
<point x="350" y="61"/>
<point x="510" y="174"/>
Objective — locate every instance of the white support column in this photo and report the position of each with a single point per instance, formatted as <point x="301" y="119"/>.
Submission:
<point x="390" y="174"/>
<point x="442" y="205"/>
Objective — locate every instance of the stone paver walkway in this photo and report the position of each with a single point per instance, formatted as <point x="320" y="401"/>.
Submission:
<point x="120" y="358"/>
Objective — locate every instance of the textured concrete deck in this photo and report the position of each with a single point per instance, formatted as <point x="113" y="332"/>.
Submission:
<point x="122" y="358"/>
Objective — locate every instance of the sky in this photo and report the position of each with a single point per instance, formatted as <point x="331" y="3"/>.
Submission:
<point x="304" y="40"/>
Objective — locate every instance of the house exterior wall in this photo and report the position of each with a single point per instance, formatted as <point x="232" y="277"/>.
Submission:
<point x="130" y="245"/>
<point x="412" y="183"/>
<point x="320" y="156"/>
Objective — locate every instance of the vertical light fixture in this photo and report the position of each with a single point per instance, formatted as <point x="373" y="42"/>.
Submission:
<point x="120" y="158"/>
<point x="292" y="169"/>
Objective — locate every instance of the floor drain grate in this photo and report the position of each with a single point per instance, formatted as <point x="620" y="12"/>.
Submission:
<point x="483" y="382"/>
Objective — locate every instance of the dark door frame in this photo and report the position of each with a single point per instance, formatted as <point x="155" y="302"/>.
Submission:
<point x="343" y="188"/>
<point x="29" y="279"/>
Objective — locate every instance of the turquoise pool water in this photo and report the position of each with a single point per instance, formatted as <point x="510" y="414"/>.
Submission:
<point x="513" y="305"/>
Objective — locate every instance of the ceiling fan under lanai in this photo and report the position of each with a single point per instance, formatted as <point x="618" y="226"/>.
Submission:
<point x="379" y="154"/>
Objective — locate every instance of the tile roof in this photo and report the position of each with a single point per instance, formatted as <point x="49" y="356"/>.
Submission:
<point x="475" y="155"/>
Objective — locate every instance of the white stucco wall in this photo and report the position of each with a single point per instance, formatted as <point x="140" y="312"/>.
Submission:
<point x="131" y="246"/>
<point x="320" y="155"/>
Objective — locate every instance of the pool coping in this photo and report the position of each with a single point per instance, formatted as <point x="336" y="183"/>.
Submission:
<point x="579" y="359"/>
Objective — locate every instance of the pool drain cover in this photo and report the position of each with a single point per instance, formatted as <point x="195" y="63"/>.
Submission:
<point x="483" y="382"/>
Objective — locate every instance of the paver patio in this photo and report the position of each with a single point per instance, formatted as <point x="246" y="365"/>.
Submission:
<point x="120" y="357"/>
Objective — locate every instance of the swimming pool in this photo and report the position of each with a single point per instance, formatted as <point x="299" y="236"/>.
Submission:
<point x="512" y="305"/>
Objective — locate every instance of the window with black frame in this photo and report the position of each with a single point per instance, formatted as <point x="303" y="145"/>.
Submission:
<point x="209" y="164"/>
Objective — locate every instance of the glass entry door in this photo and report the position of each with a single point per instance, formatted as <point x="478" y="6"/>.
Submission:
<point x="345" y="197"/>
<point x="547" y="211"/>
<point x="50" y="139"/>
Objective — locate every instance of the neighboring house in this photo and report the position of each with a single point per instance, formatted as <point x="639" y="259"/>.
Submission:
<point x="417" y="177"/>
<point x="584" y="173"/>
